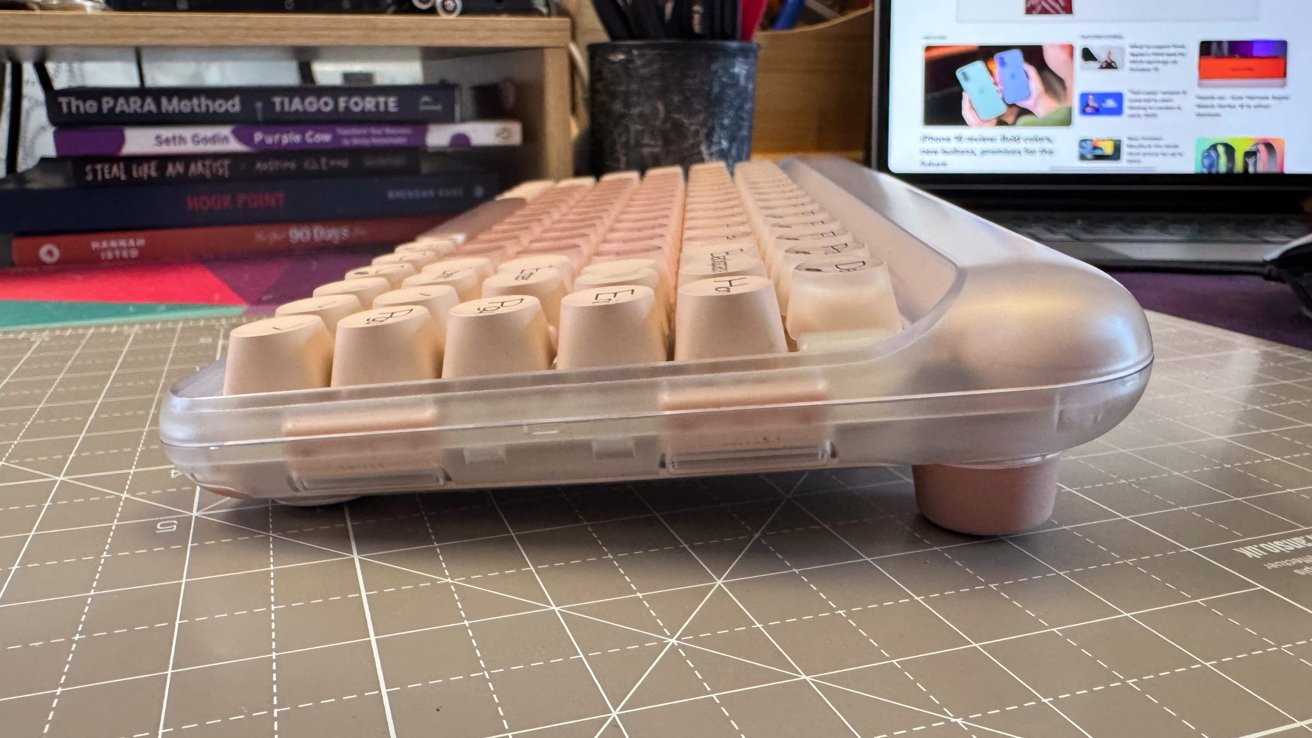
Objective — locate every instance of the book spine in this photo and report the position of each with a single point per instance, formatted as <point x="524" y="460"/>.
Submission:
<point x="82" y="106"/>
<point x="166" y="140"/>
<point x="113" y="171"/>
<point x="179" y="244"/>
<point x="79" y="209"/>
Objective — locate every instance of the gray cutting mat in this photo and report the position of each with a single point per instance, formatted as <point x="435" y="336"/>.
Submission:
<point x="1169" y="597"/>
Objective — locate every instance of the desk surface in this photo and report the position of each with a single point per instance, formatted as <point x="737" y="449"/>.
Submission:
<point x="1157" y="602"/>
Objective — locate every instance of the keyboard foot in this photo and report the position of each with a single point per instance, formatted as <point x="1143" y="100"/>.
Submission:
<point x="988" y="499"/>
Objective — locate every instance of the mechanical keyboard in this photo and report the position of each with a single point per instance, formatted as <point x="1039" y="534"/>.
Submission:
<point x="800" y="316"/>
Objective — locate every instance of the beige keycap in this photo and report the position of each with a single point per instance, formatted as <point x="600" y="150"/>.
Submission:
<point x="842" y="294"/>
<point x="496" y="335"/>
<point x="466" y="281"/>
<point x="440" y="244"/>
<point x="290" y="352"/>
<point x="482" y="266"/>
<point x="576" y="252"/>
<point x="329" y="308"/>
<point x="775" y="240"/>
<point x="471" y="223"/>
<point x="727" y="316"/>
<point x="528" y="190"/>
<point x="365" y="289"/>
<point x="672" y="171"/>
<point x="437" y="299"/>
<point x="710" y="168"/>
<point x="417" y="258"/>
<point x="494" y="250"/>
<point x="625" y="267"/>
<point x="610" y="326"/>
<point x="655" y="254"/>
<point x="393" y="273"/>
<point x="645" y="276"/>
<point x="626" y="176"/>
<point x="697" y="251"/>
<point x="787" y="262"/>
<point x="545" y="283"/>
<point x="720" y="264"/>
<point x="388" y="344"/>
<point x="818" y="248"/>
<point x="560" y="262"/>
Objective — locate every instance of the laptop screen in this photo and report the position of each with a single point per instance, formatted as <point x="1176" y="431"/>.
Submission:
<point x="1096" y="87"/>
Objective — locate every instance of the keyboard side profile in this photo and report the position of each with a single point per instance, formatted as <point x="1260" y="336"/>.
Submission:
<point x="804" y="316"/>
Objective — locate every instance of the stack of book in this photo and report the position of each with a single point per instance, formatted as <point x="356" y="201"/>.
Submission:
<point x="150" y="174"/>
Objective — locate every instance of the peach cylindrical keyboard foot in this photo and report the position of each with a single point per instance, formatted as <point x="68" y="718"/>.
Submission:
<point x="988" y="499"/>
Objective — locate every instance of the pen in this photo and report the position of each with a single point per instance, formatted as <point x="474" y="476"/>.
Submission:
<point x="646" y="17"/>
<point x="752" y="13"/>
<point x="788" y="15"/>
<point x="613" y="19"/>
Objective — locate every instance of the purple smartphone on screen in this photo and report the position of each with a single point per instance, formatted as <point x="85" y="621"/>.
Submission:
<point x="1012" y="79"/>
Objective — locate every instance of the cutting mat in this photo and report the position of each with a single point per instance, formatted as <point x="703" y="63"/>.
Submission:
<point x="1171" y="595"/>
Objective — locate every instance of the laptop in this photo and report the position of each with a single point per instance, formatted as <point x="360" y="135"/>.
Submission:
<point x="1171" y="134"/>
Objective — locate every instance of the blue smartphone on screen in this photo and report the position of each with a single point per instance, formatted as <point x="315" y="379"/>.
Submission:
<point x="978" y="83"/>
<point x="1012" y="79"/>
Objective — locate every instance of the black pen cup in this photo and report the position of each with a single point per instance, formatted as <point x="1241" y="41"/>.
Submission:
<point x="658" y="103"/>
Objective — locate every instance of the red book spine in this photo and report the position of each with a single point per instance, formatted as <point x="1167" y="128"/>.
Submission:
<point x="187" y="244"/>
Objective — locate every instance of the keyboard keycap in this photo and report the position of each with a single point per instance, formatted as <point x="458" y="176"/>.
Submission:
<point x="496" y="335"/>
<point x="437" y="299"/>
<point x="545" y="283"/>
<point x="842" y="294"/>
<point x="291" y="352"/>
<point x="418" y="259"/>
<point x="610" y="326"/>
<point x="365" y="289"/>
<point x="393" y="273"/>
<point x="467" y="283"/>
<point x="727" y="316"/>
<point x="388" y="344"/>
<point x="329" y="308"/>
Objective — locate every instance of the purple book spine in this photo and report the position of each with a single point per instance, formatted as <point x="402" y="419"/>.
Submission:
<point x="145" y="141"/>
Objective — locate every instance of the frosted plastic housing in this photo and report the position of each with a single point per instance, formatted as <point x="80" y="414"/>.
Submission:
<point x="1010" y="352"/>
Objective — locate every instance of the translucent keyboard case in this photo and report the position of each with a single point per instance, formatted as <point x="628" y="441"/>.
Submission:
<point x="1011" y="354"/>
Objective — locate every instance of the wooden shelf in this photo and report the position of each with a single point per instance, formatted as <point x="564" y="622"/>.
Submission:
<point x="29" y="30"/>
<point x="531" y="50"/>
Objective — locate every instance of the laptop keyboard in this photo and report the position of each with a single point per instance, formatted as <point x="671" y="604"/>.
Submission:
<point x="1182" y="228"/>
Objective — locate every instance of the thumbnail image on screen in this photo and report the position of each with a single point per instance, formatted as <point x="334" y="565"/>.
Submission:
<point x="1049" y="7"/>
<point x="1238" y="155"/>
<point x="1102" y="58"/>
<point x="1007" y="85"/>
<point x="1100" y="149"/>
<point x="1243" y="63"/>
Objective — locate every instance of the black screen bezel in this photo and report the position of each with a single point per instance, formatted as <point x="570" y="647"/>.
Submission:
<point x="1283" y="183"/>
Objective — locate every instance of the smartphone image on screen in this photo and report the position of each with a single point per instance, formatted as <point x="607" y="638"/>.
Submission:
<point x="1251" y="165"/>
<point x="1262" y="158"/>
<point x="1210" y="162"/>
<point x="1223" y="156"/>
<point x="1011" y="75"/>
<point x="983" y="93"/>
